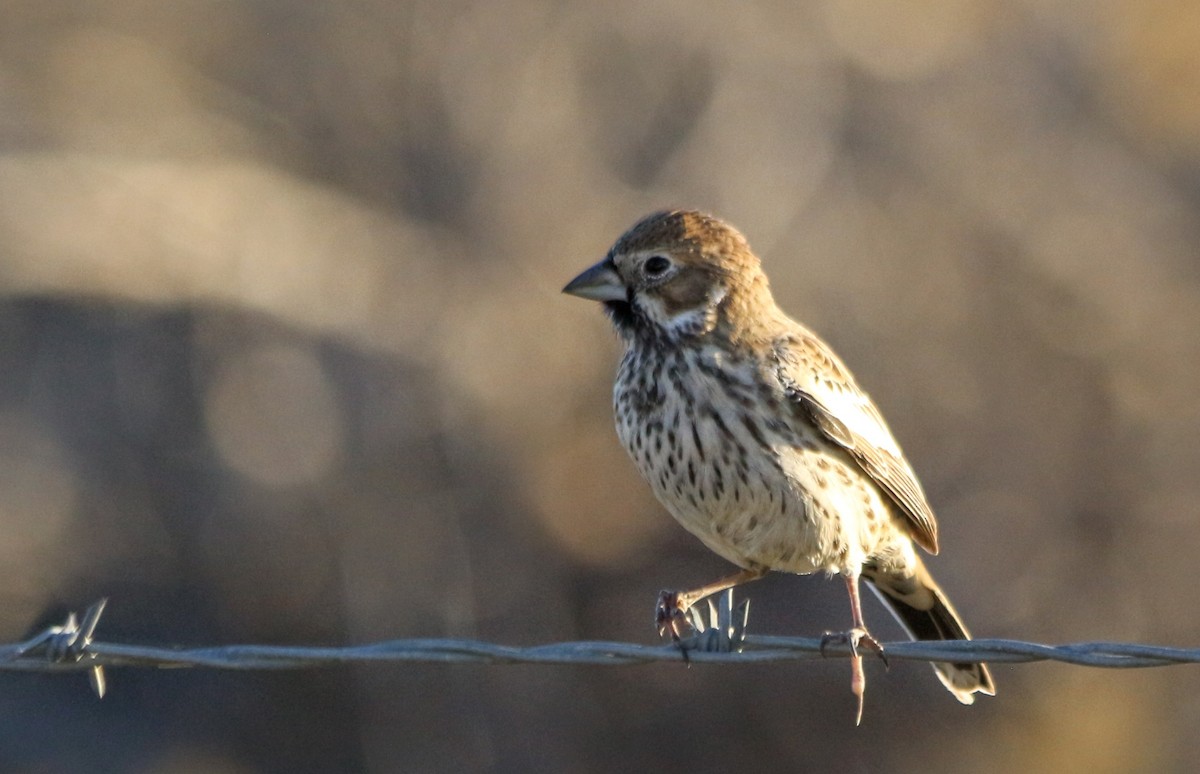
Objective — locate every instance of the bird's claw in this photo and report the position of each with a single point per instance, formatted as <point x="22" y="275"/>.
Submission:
<point x="854" y="638"/>
<point x="670" y="617"/>
<point x="722" y="631"/>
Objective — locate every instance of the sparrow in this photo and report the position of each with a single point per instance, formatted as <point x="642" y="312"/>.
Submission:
<point x="755" y="436"/>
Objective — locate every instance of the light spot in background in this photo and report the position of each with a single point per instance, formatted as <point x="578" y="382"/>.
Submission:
<point x="1104" y="736"/>
<point x="729" y="163"/>
<point x="232" y="230"/>
<point x="274" y="417"/>
<point x="1149" y="69"/>
<point x="592" y="512"/>
<point x="517" y="379"/>
<point x="38" y="499"/>
<point x="901" y="41"/>
<point x="108" y="92"/>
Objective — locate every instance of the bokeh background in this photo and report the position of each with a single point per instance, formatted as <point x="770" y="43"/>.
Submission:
<point x="283" y="360"/>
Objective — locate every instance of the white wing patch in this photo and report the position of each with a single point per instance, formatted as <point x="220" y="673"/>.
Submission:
<point x="821" y="387"/>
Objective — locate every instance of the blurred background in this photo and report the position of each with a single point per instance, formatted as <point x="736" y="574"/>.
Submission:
<point x="283" y="359"/>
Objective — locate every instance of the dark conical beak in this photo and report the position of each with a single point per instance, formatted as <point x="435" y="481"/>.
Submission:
<point x="598" y="283"/>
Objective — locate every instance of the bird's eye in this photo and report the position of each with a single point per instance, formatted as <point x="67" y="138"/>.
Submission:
<point x="656" y="266"/>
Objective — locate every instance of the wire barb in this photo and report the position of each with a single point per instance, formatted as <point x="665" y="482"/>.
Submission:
<point x="68" y="644"/>
<point x="723" y="631"/>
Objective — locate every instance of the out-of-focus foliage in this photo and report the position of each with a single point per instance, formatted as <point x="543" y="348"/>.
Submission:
<point x="283" y="359"/>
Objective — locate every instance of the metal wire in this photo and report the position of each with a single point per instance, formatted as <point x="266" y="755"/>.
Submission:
<point x="722" y="640"/>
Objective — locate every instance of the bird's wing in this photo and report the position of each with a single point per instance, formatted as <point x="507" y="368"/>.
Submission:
<point x="823" y="392"/>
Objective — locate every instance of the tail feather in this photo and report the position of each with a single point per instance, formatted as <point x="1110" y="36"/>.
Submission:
<point x="921" y="607"/>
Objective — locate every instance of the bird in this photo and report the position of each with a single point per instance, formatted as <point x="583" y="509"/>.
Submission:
<point x="755" y="436"/>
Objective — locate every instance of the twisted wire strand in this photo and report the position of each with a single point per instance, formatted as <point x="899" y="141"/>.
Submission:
<point x="757" y="649"/>
<point x="71" y="647"/>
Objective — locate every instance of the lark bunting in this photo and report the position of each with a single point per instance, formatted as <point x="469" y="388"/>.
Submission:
<point x="757" y="439"/>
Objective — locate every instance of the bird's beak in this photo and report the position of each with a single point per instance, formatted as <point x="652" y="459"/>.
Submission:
<point x="598" y="283"/>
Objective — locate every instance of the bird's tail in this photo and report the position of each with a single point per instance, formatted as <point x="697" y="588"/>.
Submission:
<point x="926" y="614"/>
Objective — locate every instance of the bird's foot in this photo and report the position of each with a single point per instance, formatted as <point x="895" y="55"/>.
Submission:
<point x="854" y="638"/>
<point x="670" y="615"/>
<point x="858" y="677"/>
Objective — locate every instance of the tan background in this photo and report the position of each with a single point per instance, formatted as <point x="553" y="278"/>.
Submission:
<point x="283" y="360"/>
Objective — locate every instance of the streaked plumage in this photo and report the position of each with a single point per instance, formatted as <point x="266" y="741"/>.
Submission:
<point x="755" y="436"/>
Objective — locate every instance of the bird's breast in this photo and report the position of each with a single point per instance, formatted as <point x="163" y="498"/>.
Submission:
<point x="716" y="440"/>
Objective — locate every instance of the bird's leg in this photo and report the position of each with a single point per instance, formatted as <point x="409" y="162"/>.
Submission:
<point x="856" y="636"/>
<point x="670" y="614"/>
<point x="859" y="633"/>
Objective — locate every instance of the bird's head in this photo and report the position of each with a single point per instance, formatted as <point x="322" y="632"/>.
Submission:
<point x="677" y="274"/>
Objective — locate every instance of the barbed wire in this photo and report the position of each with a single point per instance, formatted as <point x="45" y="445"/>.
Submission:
<point x="721" y="640"/>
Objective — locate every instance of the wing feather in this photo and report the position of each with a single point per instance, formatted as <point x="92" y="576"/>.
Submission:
<point x="823" y="391"/>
